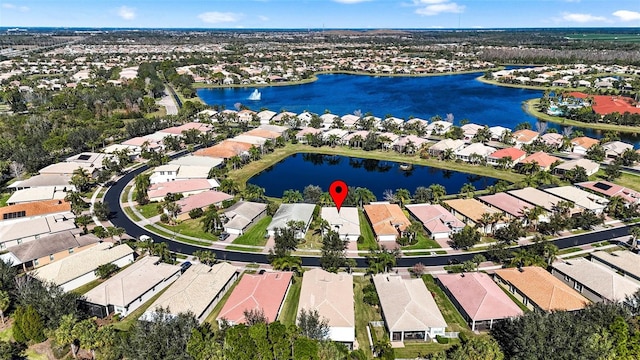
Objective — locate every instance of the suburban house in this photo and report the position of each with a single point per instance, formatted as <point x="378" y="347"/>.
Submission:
<point x="138" y="144"/>
<point x="537" y="289"/>
<point x="198" y="161"/>
<point x="283" y="116"/>
<point x="537" y="197"/>
<point x="265" y="116"/>
<point x="355" y="138"/>
<point x="596" y="282"/>
<point x="580" y="198"/>
<point x="479" y="149"/>
<point x="582" y="144"/>
<point x="443" y="145"/>
<point x="525" y="136"/>
<point x="164" y="173"/>
<point x="158" y="191"/>
<point x="332" y="296"/>
<point x="439" y="222"/>
<point x="258" y="292"/>
<point x="173" y="172"/>
<point x="33" y="209"/>
<point x="615" y="149"/>
<point x="127" y="290"/>
<point x="78" y="269"/>
<point x="408" y="308"/>
<point x="44" y="193"/>
<point x="200" y="201"/>
<point x="201" y="128"/>
<point x="541" y="158"/>
<point x="402" y="145"/>
<point x="470" y="212"/>
<point x="48" y="249"/>
<point x="67" y="168"/>
<point x="266" y="132"/>
<point x="225" y="150"/>
<point x="346" y="222"/>
<point x="292" y="212"/>
<point x="554" y="140"/>
<point x="198" y="290"/>
<point x="480" y="301"/>
<point x="623" y="262"/>
<point x="470" y="131"/>
<point x="511" y="207"/>
<point x="387" y="220"/>
<point x="90" y="160"/>
<point x="20" y="231"/>
<point x="438" y="127"/>
<point x="610" y="190"/>
<point x="328" y="119"/>
<point x="497" y="132"/>
<point x="591" y="167"/>
<point x="242" y="215"/>
<point x="56" y="181"/>
<point x="514" y="154"/>
<point x="334" y="136"/>
<point x="301" y="136"/>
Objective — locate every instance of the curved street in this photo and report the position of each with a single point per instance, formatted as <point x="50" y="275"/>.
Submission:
<point x="120" y="219"/>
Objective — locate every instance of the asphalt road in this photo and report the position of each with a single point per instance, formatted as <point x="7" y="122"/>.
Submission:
<point x="118" y="218"/>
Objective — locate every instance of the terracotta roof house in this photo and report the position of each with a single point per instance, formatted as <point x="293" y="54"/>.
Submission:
<point x="264" y="292"/>
<point x="158" y="191"/>
<point x="591" y="167"/>
<point x="198" y="290"/>
<point x="242" y="215"/>
<point x="332" y="296"/>
<point x="224" y="150"/>
<point x="515" y="154"/>
<point x="32" y="209"/>
<point x="291" y="212"/>
<point x="78" y="269"/>
<point x="480" y="301"/>
<point x="387" y="220"/>
<point x="511" y="207"/>
<point x="541" y="158"/>
<point x="408" y="308"/>
<point x="610" y="190"/>
<point x="582" y="144"/>
<point x="346" y="222"/>
<point x="442" y="145"/>
<point x="607" y="104"/>
<point x="623" y="262"/>
<point x="596" y="282"/>
<point x="439" y="222"/>
<point x="537" y="289"/>
<point x="525" y="136"/>
<point x="582" y="199"/>
<point x="201" y="201"/>
<point x="615" y="149"/>
<point x="470" y="212"/>
<point x="177" y="130"/>
<point x="479" y="149"/>
<point x="264" y="133"/>
<point x="48" y="249"/>
<point x="127" y="290"/>
<point x="552" y="139"/>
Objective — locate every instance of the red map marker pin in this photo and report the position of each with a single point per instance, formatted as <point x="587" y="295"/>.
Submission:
<point x="338" y="191"/>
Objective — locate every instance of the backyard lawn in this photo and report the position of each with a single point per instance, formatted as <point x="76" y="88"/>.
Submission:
<point x="290" y="307"/>
<point x="366" y="232"/>
<point x="364" y="313"/>
<point x="255" y="235"/>
<point x="211" y="319"/>
<point x="455" y="321"/>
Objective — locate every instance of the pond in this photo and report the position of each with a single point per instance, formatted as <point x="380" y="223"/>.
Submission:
<point x="299" y="170"/>
<point x="423" y="97"/>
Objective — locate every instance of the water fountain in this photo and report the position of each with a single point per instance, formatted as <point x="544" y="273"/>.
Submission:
<point x="255" y="95"/>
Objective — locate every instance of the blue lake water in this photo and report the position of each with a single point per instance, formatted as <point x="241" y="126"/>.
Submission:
<point x="423" y="97"/>
<point x="299" y="170"/>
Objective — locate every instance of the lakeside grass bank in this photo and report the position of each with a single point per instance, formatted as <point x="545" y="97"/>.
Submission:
<point x="242" y="175"/>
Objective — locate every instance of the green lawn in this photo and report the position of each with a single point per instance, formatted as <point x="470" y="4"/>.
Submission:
<point x="455" y="321"/>
<point x="3" y="198"/>
<point x="190" y="227"/>
<point x="125" y="194"/>
<point x="364" y="313"/>
<point x="628" y="180"/>
<point x="255" y="235"/>
<point x="367" y="233"/>
<point x="33" y="355"/>
<point x="516" y="301"/>
<point x="414" y="349"/>
<point x="423" y="243"/>
<point x="241" y="248"/>
<point x="171" y="235"/>
<point x="86" y="287"/>
<point x="131" y="214"/>
<point x="211" y="319"/>
<point x="126" y="323"/>
<point x="290" y="308"/>
<point x="149" y="210"/>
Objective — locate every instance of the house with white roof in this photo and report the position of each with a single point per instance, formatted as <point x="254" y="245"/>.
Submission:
<point x="582" y="199"/>
<point x="442" y="146"/>
<point x="346" y="222"/>
<point x="331" y="295"/>
<point x="615" y="149"/>
<point x="591" y="167"/>
<point x="198" y="290"/>
<point x="408" y="308"/>
<point x="292" y="212"/>
<point x="328" y="119"/>
<point x="438" y="127"/>
<point x="623" y="262"/>
<point x="479" y="149"/>
<point x="22" y="230"/>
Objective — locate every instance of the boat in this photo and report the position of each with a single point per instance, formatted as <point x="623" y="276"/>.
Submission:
<point x="406" y="166"/>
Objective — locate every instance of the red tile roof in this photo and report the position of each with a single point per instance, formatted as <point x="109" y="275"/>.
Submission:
<point x="514" y="153"/>
<point x="543" y="159"/>
<point x="607" y="104"/>
<point x="37" y="208"/>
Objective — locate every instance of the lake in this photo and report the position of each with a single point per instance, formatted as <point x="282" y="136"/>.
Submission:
<point x="299" y="170"/>
<point x="423" y="97"/>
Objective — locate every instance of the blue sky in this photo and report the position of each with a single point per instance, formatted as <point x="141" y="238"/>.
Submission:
<point x="321" y="13"/>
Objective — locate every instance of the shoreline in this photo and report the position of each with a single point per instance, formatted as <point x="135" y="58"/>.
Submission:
<point x="314" y="77"/>
<point x="242" y="175"/>
<point x="529" y="107"/>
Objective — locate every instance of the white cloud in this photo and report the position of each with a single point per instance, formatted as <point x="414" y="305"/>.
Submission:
<point x="626" y="15"/>
<point x="435" y="7"/>
<point x="263" y="18"/>
<point x="350" y="1"/>
<point x="126" y="12"/>
<point x="582" y="18"/>
<point x="10" y="6"/>
<point x="216" y="17"/>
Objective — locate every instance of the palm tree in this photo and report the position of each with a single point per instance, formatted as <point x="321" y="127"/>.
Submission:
<point x="635" y="235"/>
<point x="437" y="192"/>
<point x="333" y="140"/>
<point x="325" y="199"/>
<point x="229" y="186"/>
<point x="206" y="257"/>
<point x="447" y="154"/>
<point x="403" y="196"/>
<point x="292" y="196"/>
<point x="364" y="196"/>
<point x="288" y="262"/>
<point x="356" y="141"/>
<point x="495" y="219"/>
<point x="81" y="179"/>
<point x="484" y="220"/>
<point x="210" y="220"/>
<point x="5" y="301"/>
<point x="545" y="177"/>
<point x="77" y="202"/>
<point x="254" y="153"/>
<point x="253" y="192"/>
<point x="468" y="189"/>
<point x="615" y="206"/>
<point x="142" y="183"/>
<point x="533" y="214"/>
<point x="235" y="161"/>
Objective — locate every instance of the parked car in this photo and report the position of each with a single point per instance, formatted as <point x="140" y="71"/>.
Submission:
<point x="223" y="236"/>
